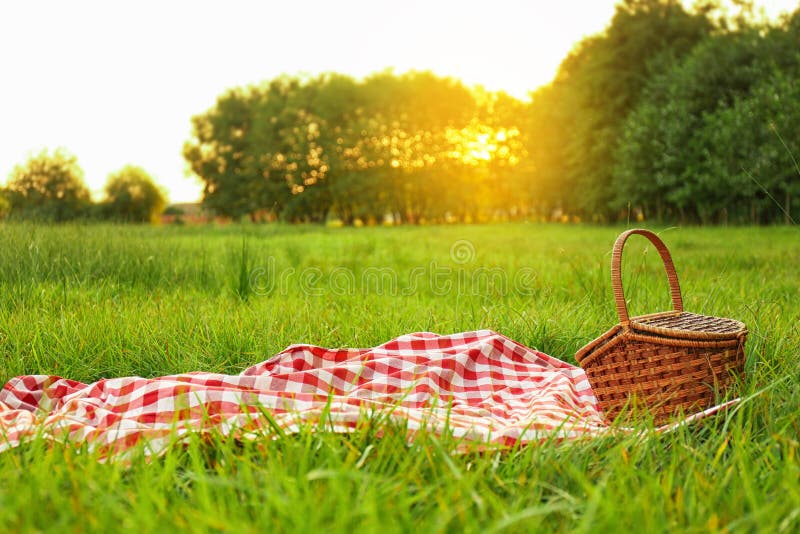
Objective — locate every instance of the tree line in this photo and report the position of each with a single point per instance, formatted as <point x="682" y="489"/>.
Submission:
<point x="49" y="187"/>
<point x="680" y="115"/>
<point x="413" y="146"/>
<point x="671" y="113"/>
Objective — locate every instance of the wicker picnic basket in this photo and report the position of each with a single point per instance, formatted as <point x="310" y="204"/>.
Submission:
<point x="667" y="363"/>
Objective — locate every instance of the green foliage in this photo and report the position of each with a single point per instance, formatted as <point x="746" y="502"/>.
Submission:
<point x="92" y="302"/>
<point x="133" y="196"/>
<point x="673" y="115"/>
<point x="417" y="146"/>
<point x="754" y="143"/>
<point x="48" y="187"/>
<point x="714" y="137"/>
<point x="576" y="122"/>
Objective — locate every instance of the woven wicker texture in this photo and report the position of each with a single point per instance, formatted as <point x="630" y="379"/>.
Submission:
<point x="665" y="363"/>
<point x="690" y="325"/>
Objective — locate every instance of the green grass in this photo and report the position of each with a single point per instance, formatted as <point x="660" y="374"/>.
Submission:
<point x="88" y="302"/>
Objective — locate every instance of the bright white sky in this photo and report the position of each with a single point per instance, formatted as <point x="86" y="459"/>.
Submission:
<point x="117" y="82"/>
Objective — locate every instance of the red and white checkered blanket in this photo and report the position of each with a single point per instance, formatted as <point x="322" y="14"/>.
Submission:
<point x="480" y="386"/>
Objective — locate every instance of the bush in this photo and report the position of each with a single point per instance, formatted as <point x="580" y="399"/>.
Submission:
<point x="133" y="196"/>
<point x="49" y="188"/>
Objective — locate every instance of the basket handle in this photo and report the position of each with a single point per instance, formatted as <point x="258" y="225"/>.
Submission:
<point x="616" y="272"/>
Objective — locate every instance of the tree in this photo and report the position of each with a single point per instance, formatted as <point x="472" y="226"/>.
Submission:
<point x="49" y="187"/>
<point x="596" y="87"/>
<point x="301" y="149"/>
<point x="704" y="143"/>
<point x="750" y="150"/>
<point x="220" y="154"/>
<point x="133" y="196"/>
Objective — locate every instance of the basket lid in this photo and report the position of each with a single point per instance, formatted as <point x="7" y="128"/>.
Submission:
<point x="687" y="325"/>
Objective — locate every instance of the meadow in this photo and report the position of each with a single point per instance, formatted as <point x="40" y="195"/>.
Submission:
<point x="94" y="301"/>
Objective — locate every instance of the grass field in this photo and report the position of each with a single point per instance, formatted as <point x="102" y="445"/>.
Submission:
<point x="88" y="302"/>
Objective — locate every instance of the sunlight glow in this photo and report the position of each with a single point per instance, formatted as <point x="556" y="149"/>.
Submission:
<point x="479" y="144"/>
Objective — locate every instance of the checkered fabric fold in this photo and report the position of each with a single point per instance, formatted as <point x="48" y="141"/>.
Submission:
<point x="480" y="386"/>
